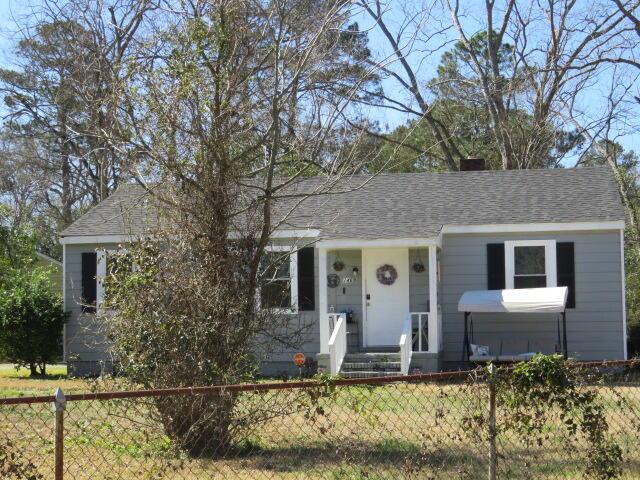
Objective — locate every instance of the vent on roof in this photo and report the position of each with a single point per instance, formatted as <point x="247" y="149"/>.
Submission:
<point x="472" y="164"/>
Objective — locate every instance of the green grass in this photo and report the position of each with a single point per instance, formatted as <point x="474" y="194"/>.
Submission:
<point x="18" y="382"/>
<point x="8" y="370"/>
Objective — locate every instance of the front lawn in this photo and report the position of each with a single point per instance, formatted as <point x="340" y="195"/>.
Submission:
<point x="393" y="431"/>
<point x="18" y="383"/>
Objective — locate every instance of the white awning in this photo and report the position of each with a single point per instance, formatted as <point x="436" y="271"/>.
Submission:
<point x="535" y="300"/>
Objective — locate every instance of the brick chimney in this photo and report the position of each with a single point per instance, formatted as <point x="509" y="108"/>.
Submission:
<point x="471" y="164"/>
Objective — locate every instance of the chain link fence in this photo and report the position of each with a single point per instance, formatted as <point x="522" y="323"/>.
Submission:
<point x="538" y="421"/>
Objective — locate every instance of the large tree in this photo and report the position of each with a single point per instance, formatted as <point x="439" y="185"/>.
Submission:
<point x="61" y="104"/>
<point x="458" y="103"/>
<point x="226" y="96"/>
<point x="43" y="106"/>
<point x="532" y="62"/>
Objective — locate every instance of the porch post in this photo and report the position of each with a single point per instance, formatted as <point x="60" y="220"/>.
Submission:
<point x="322" y="303"/>
<point x="434" y="334"/>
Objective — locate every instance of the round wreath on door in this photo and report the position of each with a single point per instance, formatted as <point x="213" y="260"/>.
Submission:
<point x="387" y="274"/>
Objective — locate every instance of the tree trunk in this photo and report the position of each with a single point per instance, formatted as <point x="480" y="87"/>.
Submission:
<point x="200" y="425"/>
<point x="67" y="215"/>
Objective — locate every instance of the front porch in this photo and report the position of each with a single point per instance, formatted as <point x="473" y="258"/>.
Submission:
<point x="379" y="307"/>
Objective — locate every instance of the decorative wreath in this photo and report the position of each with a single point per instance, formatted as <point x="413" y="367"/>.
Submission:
<point x="338" y="265"/>
<point x="386" y="274"/>
<point x="418" y="267"/>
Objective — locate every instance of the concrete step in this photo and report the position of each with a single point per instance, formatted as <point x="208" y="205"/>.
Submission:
<point x="368" y="374"/>
<point x="371" y="357"/>
<point x="373" y="365"/>
<point x="374" y="350"/>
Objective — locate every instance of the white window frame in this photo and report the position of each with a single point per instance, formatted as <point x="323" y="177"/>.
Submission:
<point x="101" y="274"/>
<point x="293" y="277"/>
<point x="549" y="260"/>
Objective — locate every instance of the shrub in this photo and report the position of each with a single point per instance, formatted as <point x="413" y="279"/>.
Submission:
<point x="31" y="320"/>
<point x="530" y="392"/>
<point x="13" y="465"/>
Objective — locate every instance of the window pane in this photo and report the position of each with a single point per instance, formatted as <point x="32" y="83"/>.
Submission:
<point x="530" y="282"/>
<point x="529" y="260"/>
<point x="276" y="294"/>
<point x="276" y="264"/>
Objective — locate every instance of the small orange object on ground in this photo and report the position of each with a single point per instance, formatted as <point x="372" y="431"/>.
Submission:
<point x="299" y="359"/>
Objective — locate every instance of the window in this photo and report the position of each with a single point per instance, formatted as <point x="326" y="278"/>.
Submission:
<point x="529" y="267"/>
<point x="279" y="283"/>
<point x="530" y="264"/>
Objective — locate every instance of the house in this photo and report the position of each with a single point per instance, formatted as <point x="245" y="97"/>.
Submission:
<point x="386" y="264"/>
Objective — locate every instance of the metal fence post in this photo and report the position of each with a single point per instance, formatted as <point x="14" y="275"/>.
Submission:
<point x="59" y="406"/>
<point x="493" y="460"/>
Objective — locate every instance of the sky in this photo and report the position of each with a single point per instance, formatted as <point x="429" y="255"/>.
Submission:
<point x="593" y="100"/>
<point x="12" y="11"/>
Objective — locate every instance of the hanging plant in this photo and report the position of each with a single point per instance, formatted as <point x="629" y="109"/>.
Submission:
<point x="418" y="267"/>
<point x="387" y="274"/>
<point x="338" y="265"/>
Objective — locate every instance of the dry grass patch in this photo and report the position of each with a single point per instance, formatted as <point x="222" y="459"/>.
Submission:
<point x="392" y="431"/>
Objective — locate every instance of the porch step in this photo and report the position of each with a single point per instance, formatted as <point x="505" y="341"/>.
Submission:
<point x="372" y="357"/>
<point x="371" y="364"/>
<point x="375" y="366"/>
<point x="379" y="350"/>
<point x="368" y="374"/>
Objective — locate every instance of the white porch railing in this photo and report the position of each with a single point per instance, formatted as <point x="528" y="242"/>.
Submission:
<point x="420" y="333"/>
<point x="405" y="345"/>
<point x="337" y="341"/>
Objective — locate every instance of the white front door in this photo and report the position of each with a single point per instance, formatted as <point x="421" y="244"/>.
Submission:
<point x="386" y="302"/>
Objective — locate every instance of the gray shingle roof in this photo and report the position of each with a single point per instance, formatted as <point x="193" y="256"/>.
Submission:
<point x="127" y="211"/>
<point x="408" y="205"/>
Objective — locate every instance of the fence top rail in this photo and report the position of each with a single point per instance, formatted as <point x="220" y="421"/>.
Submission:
<point x="267" y="386"/>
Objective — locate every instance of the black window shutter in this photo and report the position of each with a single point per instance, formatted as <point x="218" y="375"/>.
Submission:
<point x="495" y="266"/>
<point x="306" y="280"/>
<point x="89" y="282"/>
<point x="565" y="264"/>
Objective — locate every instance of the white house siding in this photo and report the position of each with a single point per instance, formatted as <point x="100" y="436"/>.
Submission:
<point x="594" y="327"/>
<point x="85" y="345"/>
<point x="87" y="349"/>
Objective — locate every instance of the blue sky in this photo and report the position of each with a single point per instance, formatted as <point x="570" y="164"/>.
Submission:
<point x="9" y="10"/>
<point x="592" y="100"/>
<point x="19" y="10"/>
